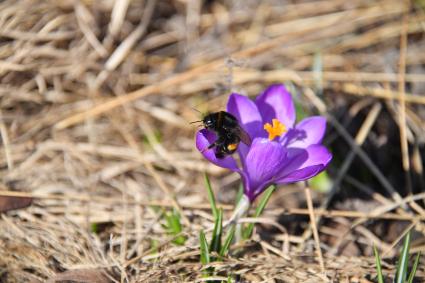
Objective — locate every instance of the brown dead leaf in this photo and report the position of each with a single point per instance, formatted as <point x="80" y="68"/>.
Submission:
<point x="10" y="203"/>
<point x="81" y="276"/>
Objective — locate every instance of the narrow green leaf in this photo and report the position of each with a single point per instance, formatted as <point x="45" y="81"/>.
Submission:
<point x="415" y="266"/>
<point x="378" y="265"/>
<point x="205" y="254"/>
<point x="263" y="202"/>
<point x="404" y="260"/>
<point x="216" y="236"/>
<point x="397" y="271"/>
<point x="229" y="237"/>
<point x="211" y="197"/>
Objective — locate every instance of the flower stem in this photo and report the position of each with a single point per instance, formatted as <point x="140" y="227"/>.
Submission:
<point x="238" y="233"/>
<point x="240" y="211"/>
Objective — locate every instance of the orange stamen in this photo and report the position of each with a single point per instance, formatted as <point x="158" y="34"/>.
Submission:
<point x="276" y="130"/>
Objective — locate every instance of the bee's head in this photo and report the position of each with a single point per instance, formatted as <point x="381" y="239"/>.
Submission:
<point x="209" y="121"/>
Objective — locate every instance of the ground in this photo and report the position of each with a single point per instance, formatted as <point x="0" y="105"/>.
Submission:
<point x="96" y="142"/>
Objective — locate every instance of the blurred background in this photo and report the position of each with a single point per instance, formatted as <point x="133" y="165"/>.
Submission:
<point x="96" y="147"/>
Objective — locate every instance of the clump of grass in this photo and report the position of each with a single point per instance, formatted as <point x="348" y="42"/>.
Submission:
<point x="402" y="264"/>
<point x="216" y="249"/>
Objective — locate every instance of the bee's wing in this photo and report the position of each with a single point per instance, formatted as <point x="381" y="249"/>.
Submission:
<point x="245" y="138"/>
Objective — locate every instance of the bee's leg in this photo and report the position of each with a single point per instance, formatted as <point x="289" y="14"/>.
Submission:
<point x="210" y="146"/>
<point x="219" y="154"/>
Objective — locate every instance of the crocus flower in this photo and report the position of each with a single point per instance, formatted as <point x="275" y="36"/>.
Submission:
<point x="281" y="152"/>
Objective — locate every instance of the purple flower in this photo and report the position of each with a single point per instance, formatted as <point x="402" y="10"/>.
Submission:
<point x="281" y="152"/>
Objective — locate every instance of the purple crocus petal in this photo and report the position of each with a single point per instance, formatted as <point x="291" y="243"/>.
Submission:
<point x="304" y="159"/>
<point x="264" y="161"/>
<point x="317" y="154"/>
<point x="307" y="132"/>
<point x="243" y="150"/>
<point x="295" y="176"/>
<point x="245" y="110"/>
<point x="276" y="102"/>
<point x="301" y="174"/>
<point x="203" y="139"/>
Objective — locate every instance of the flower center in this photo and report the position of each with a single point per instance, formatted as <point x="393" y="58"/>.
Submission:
<point x="275" y="130"/>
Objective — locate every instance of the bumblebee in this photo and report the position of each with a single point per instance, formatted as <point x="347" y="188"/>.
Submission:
<point x="228" y="132"/>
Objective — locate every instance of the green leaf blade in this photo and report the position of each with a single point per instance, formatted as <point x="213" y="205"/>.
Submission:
<point x="211" y="197"/>
<point x="414" y="268"/>
<point x="217" y="232"/>
<point x="404" y="260"/>
<point x="205" y="254"/>
<point x="227" y="242"/>
<point x="378" y="265"/>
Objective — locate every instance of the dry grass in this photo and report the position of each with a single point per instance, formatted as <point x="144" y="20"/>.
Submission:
<point x="96" y="99"/>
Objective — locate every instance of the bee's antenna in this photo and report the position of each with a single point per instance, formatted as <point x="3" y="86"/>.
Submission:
<point x="197" y="110"/>
<point x="195" y="122"/>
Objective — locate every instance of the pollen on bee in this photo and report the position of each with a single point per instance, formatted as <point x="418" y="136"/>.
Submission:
<point x="275" y="130"/>
<point x="232" y="146"/>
